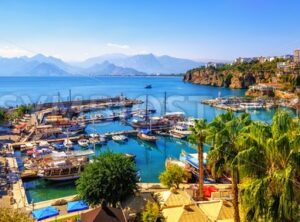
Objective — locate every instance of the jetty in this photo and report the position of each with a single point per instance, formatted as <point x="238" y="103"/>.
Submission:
<point x="108" y="102"/>
<point x="239" y="104"/>
<point x="18" y="145"/>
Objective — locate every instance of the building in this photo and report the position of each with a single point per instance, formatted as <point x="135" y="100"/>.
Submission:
<point x="297" y="56"/>
<point x="244" y="60"/>
<point x="282" y="65"/>
<point x="214" y="65"/>
<point x="261" y="90"/>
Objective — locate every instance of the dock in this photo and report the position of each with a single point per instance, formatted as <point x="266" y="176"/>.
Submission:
<point x="19" y="195"/>
<point x="17" y="145"/>
<point x="109" y="101"/>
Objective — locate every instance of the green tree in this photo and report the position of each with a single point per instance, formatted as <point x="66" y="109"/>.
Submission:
<point x="198" y="137"/>
<point x="151" y="212"/>
<point x="2" y="115"/>
<point x="110" y="179"/>
<point x="172" y="176"/>
<point x="224" y="135"/>
<point x="11" y="215"/>
<point x="270" y="166"/>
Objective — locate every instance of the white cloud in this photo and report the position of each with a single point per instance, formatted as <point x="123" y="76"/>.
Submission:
<point x="119" y="46"/>
<point x="12" y="51"/>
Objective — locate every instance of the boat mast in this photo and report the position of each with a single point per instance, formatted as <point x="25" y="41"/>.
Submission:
<point x="165" y="103"/>
<point x="94" y="129"/>
<point x="146" y="115"/>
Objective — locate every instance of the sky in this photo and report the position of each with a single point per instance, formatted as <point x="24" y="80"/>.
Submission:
<point x="197" y="29"/>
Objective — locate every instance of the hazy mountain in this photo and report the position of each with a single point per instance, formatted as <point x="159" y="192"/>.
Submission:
<point x="40" y="58"/>
<point x="147" y="63"/>
<point x="176" y="65"/>
<point x="112" y="58"/>
<point x="111" y="64"/>
<point x="9" y="66"/>
<point x="45" y="69"/>
<point x="107" y="68"/>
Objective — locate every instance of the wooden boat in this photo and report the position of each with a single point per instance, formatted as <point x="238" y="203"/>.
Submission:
<point x="62" y="169"/>
<point x="146" y="136"/>
<point x="29" y="174"/>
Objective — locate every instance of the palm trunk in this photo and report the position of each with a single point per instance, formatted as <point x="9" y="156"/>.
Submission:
<point x="201" y="171"/>
<point x="235" y="193"/>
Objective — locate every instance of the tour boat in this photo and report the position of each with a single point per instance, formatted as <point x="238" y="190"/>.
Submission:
<point x="83" y="142"/>
<point x="251" y="105"/>
<point x="146" y="135"/>
<point x="180" y="130"/>
<point x="63" y="169"/>
<point x="74" y="129"/>
<point x="119" y="138"/>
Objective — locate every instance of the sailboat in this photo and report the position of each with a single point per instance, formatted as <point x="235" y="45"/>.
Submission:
<point x="68" y="143"/>
<point x="145" y="134"/>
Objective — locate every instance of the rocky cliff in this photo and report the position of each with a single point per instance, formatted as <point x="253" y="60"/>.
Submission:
<point x="226" y="78"/>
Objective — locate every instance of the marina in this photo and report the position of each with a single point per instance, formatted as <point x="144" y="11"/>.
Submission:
<point x="150" y="156"/>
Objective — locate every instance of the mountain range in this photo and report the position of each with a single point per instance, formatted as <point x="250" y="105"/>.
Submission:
<point x="111" y="64"/>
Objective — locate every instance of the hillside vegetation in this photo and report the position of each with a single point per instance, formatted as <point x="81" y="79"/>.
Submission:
<point x="242" y="75"/>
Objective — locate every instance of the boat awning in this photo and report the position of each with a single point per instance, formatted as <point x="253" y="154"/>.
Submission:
<point x="192" y="159"/>
<point x="45" y="213"/>
<point x="145" y="131"/>
<point x="77" y="206"/>
<point x="22" y="126"/>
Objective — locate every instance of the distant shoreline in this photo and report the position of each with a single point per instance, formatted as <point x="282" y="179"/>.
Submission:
<point x="82" y="76"/>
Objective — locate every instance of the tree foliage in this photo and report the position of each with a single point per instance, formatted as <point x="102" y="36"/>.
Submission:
<point x="11" y="215"/>
<point x="172" y="176"/>
<point x="198" y="137"/>
<point x="224" y="135"/>
<point x="270" y="166"/>
<point x="110" y="179"/>
<point x="151" y="212"/>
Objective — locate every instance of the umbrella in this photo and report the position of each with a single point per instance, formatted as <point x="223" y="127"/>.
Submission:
<point x="77" y="206"/>
<point x="44" y="213"/>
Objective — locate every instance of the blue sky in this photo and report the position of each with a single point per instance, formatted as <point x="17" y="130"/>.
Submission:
<point x="196" y="29"/>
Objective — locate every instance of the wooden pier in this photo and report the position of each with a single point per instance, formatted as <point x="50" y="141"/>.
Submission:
<point x="103" y="101"/>
<point x="74" y="138"/>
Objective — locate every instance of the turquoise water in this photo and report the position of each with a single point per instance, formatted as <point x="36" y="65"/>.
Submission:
<point x="150" y="158"/>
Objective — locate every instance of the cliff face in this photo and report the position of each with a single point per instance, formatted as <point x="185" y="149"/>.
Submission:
<point x="231" y="78"/>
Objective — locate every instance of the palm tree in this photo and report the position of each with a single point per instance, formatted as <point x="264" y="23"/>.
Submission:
<point x="224" y="135"/>
<point x="198" y="137"/>
<point x="270" y="165"/>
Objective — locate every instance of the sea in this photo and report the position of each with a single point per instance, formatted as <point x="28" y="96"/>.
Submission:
<point x="150" y="158"/>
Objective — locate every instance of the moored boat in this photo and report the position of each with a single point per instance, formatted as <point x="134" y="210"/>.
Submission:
<point x="119" y="138"/>
<point x="83" y="142"/>
<point x="63" y="169"/>
<point x="146" y="135"/>
<point x="180" y="130"/>
<point x="68" y="143"/>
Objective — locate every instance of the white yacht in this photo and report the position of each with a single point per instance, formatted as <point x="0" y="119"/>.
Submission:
<point x="119" y="138"/>
<point x="83" y="142"/>
<point x="181" y="130"/>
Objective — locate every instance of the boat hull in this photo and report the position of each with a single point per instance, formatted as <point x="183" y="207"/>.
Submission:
<point x="61" y="178"/>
